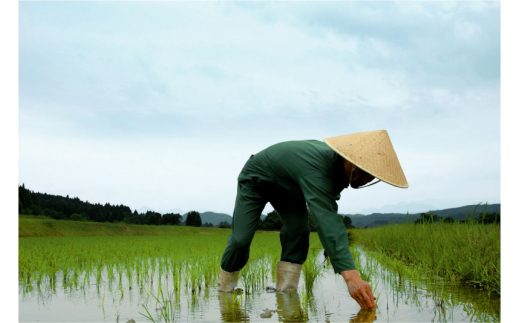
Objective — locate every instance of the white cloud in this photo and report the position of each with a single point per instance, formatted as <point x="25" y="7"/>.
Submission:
<point x="160" y="104"/>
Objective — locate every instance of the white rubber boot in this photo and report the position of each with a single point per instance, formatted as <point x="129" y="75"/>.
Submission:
<point x="227" y="281"/>
<point x="287" y="276"/>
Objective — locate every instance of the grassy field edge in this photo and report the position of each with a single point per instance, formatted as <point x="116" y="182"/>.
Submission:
<point x="460" y="252"/>
<point x="33" y="226"/>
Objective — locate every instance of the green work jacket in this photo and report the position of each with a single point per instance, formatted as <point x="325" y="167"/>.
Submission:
<point x="313" y="169"/>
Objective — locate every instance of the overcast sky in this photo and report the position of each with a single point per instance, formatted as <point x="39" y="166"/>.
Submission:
<point x="160" y="104"/>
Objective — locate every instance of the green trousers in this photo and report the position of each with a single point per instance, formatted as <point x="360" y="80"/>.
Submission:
<point x="253" y="192"/>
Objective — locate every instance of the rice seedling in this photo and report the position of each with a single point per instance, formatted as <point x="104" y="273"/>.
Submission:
<point x="231" y="307"/>
<point x="147" y="316"/>
<point x="468" y="252"/>
<point x="307" y="300"/>
<point x="165" y="306"/>
<point x="103" y="303"/>
<point x="311" y="270"/>
<point x="253" y="275"/>
<point x="273" y="258"/>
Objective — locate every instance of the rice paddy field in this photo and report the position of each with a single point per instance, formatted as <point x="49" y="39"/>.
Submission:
<point x="468" y="253"/>
<point x="174" y="278"/>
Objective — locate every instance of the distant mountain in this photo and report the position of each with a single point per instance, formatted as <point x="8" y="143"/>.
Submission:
<point x="211" y="217"/>
<point x="372" y="220"/>
<point x="215" y="218"/>
<point x="401" y="207"/>
<point x="459" y="213"/>
<point x="379" y="219"/>
<point x="175" y="211"/>
<point x="145" y="208"/>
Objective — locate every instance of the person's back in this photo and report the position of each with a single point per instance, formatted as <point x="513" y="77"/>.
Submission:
<point x="286" y="163"/>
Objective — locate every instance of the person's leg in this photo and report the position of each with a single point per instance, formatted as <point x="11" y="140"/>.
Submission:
<point x="294" y="237"/>
<point x="248" y="208"/>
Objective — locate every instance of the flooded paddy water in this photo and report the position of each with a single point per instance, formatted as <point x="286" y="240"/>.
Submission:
<point x="161" y="290"/>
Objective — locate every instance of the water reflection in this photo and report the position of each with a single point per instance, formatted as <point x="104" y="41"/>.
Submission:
<point x="398" y="299"/>
<point x="231" y="309"/>
<point x="289" y="307"/>
<point x="368" y="315"/>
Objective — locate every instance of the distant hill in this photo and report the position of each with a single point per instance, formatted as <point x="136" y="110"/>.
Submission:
<point x="211" y="217"/>
<point x="459" y="213"/>
<point x="215" y="218"/>
<point x="400" y="207"/>
<point x="143" y="209"/>
<point x="375" y="219"/>
<point x="379" y="219"/>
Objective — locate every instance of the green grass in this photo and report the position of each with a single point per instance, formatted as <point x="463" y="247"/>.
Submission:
<point x="311" y="270"/>
<point x="460" y="252"/>
<point x="189" y="261"/>
<point x="33" y="226"/>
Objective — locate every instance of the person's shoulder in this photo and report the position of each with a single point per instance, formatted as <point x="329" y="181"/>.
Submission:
<point x="302" y="148"/>
<point x="306" y="142"/>
<point x="299" y="143"/>
<point x="319" y="146"/>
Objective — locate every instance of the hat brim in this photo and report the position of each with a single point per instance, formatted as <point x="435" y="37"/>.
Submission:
<point x="372" y="152"/>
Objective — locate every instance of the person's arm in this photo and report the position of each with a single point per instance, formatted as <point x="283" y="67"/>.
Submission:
<point x="318" y="192"/>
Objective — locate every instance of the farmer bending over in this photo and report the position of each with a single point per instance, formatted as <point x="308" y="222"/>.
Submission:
<point x="293" y="174"/>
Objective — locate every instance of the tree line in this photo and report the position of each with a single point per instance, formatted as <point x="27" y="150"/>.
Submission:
<point x="66" y="208"/>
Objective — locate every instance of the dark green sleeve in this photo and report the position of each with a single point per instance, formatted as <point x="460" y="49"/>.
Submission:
<point x="332" y="232"/>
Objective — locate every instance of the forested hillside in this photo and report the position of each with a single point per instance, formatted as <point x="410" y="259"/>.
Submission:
<point x="66" y="208"/>
<point x="60" y="208"/>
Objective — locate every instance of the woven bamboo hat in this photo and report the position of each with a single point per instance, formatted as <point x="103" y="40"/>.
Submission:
<point x="372" y="151"/>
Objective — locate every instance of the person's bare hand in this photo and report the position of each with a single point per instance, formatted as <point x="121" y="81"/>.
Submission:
<point x="359" y="289"/>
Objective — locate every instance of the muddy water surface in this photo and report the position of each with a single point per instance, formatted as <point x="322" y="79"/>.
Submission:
<point x="399" y="299"/>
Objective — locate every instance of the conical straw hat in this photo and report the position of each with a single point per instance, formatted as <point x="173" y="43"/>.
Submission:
<point x="372" y="151"/>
